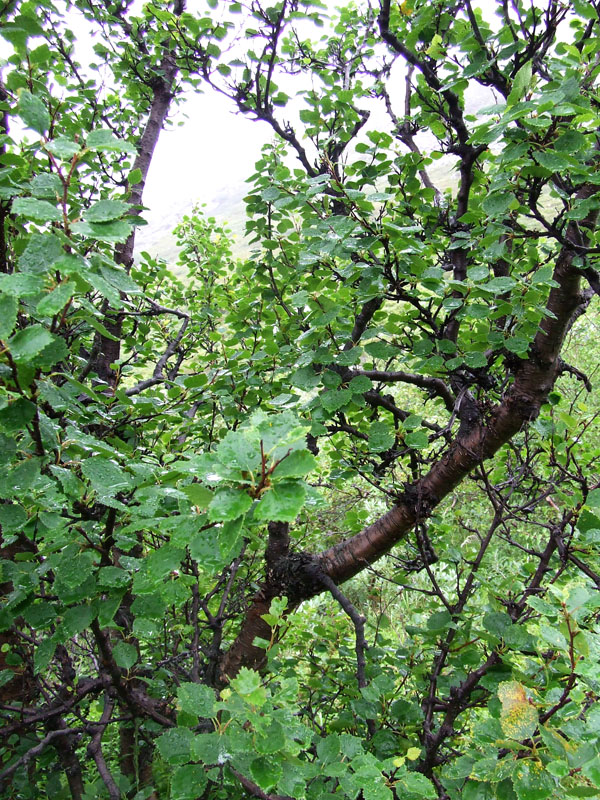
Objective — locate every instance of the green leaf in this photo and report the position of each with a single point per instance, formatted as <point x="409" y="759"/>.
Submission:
<point x="381" y="437"/>
<point x="56" y="351"/>
<point x="228" y="504"/>
<point x="570" y="142"/>
<point x="20" y="285"/>
<point x="380" y="349"/>
<point x="204" y="547"/>
<point x="476" y="360"/>
<point x="105" y="211"/>
<point x="593" y="499"/>
<point x="478" y="273"/>
<point x="328" y="749"/>
<point x="42" y="252"/>
<point x="8" y="446"/>
<point x="230" y="538"/>
<point x="553" y="637"/>
<point x="74" y="566"/>
<point x="12" y="517"/>
<point x="56" y="300"/>
<point x="240" y="450"/>
<point x="584" y="9"/>
<point x="46" y="185"/>
<point x="498" y="203"/>
<point x="36" y="210"/>
<point x="459" y="768"/>
<point x="532" y="782"/>
<point x="18" y="480"/>
<point x="552" y="160"/>
<point x="265" y="772"/>
<point x="8" y="315"/>
<point x="77" y="619"/>
<point x="517" y="344"/>
<point x="417" y="440"/>
<point x="113" y="577"/>
<point x="560" y="769"/>
<point x="273" y="740"/>
<point x="591" y="770"/>
<point x="334" y="400"/>
<point x="280" y="432"/>
<point x="162" y="561"/>
<point x="188" y="782"/>
<point x="296" y="465"/>
<point x="210" y="748"/>
<point x="282" y="503"/>
<point x="521" y="83"/>
<point x="195" y="698"/>
<point x="195" y="381"/>
<point x="360" y="384"/>
<point x="305" y="378"/>
<point x="43" y="655"/>
<point x="439" y="620"/>
<point x="118" y="277"/>
<point x="175" y="745"/>
<point x="497" y="623"/>
<point x="63" y="148"/>
<point x="542" y="607"/>
<point x="198" y="495"/>
<point x="27" y="343"/>
<point x="500" y="285"/>
<point x="117" y="231"/>
<point x="104" y="141"/>
<point x="248" y="685"/>
<point x="134" y="177"/>
<point x="105" y="476"/>
<point x="435" y="49"/>
<point x="33" y="112"/>
<point x="419" y="785"/>
<point x="125" y="655"/>
<point x="40" y="615"/>
<point x="330" y="379"/>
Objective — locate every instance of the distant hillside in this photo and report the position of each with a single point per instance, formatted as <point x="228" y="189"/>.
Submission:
<point x="227" y="207"/>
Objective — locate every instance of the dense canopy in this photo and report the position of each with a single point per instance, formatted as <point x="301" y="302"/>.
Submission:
<point x="320" y="520"/>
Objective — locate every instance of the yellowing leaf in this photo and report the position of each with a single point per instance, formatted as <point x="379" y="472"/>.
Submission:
<point x="518" y="718"/>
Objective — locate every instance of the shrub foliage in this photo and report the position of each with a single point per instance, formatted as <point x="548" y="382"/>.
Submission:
<point x="321" y="522"/>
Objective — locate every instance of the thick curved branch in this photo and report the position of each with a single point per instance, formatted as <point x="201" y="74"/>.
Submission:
<point x="39" y="748"/>
<point x="533" y="380"/>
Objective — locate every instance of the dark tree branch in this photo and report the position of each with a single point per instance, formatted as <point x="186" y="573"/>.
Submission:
<point x="359" y="627"/>
<point x="158" y="375"/>
<point x="94" y="749"/>
<point x="435" y="386"/>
